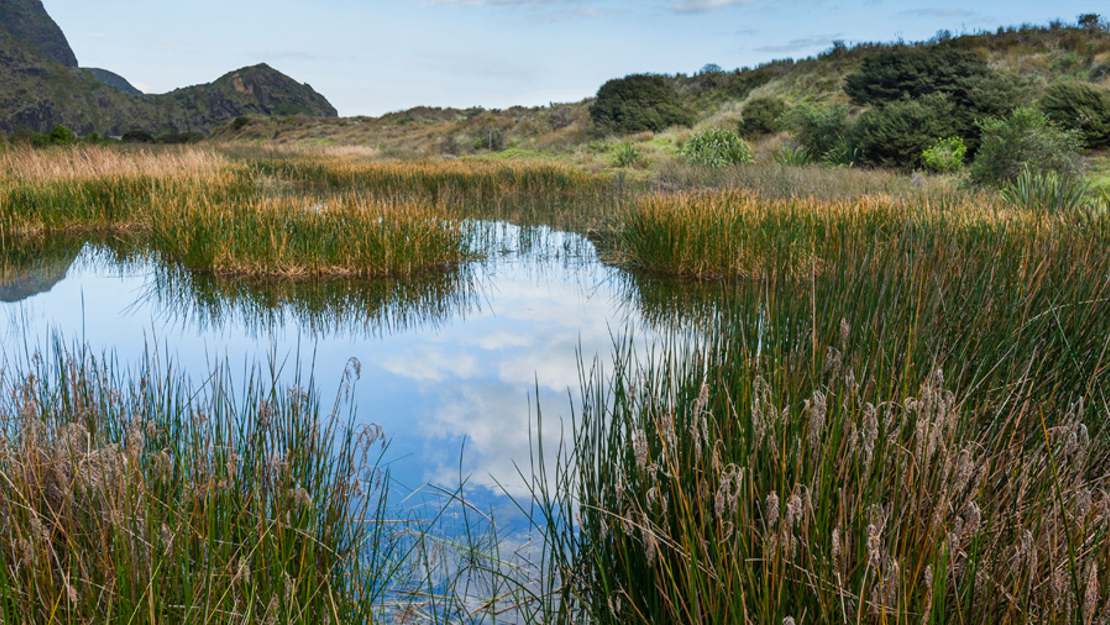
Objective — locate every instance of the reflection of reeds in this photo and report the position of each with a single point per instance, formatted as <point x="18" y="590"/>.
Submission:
<point x="323" y="307"/>
<point x="915" y="430"/>
<point x="143" y="500"/>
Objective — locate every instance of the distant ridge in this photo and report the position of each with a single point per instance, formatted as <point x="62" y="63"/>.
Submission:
<point x="113" y="79"/>
<point x="41" y="86"/>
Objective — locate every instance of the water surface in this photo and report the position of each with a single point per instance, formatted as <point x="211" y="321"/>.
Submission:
<point x="453" y="364"/>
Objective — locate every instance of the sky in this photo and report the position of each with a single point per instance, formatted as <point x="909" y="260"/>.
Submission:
<point x="370" y="57"/>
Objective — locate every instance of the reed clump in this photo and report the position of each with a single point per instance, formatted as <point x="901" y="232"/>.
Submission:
<point x="341" y="236"/>
<point x="146" y="500"/>
<point x="915" y="432"/>
<point x="740" y="234"/>
<point x="280" y="214"/>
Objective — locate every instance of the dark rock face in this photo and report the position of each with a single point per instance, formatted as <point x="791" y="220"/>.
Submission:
<point x="42" y="87"/>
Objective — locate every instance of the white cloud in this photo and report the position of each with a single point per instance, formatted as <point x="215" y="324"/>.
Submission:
<point x="701" y="6"/>
<point x="938" y="12"/>
<point x="800" y="45"/>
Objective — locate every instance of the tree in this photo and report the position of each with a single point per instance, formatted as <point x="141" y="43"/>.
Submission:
<point x="1080" y="106"/>
<point x="636" y="103"/>
<point x="1090" y="21"/>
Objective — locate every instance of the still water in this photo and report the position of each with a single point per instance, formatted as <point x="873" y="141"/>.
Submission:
<point x="452" y="365"/>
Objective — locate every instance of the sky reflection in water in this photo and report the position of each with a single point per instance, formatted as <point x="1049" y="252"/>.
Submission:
<point x="452" y="360"/>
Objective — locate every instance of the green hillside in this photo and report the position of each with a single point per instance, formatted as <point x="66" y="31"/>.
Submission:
<point x="1009" y="66"/>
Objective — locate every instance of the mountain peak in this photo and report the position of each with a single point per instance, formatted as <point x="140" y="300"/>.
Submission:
<point x="29" y="24"/>
<point x="41" y="86"/>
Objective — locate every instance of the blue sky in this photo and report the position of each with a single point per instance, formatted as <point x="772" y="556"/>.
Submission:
<point x="369" y="57"/>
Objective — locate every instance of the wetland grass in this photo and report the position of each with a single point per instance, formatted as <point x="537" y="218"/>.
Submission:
<point x="916" y="432"/>
<point x="139" y="498"/>
<point x="290" y="215"/>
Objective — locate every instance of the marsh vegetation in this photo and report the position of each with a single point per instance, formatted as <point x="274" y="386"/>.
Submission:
<point x="869" y="401"/>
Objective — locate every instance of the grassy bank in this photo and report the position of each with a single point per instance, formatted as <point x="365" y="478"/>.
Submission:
<point x="898" y="415"/>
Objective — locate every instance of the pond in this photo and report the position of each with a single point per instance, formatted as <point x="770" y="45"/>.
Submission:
<point x="453" y="365"/>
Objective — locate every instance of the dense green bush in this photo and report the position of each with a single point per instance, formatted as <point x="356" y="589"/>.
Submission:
<point x="905" y="73"/>
<point x="61" y="135"/>
<point x="945" y="155"/>
<point x="717" y="148"/>
<point x="1081" y="106"/>
<point x="761" y="116"/>
<point x="844" y="154"/>
<point x="636" y="103"/>
<point x="1025" y="141"/>
<point x="818" y="129"/>
<point x="973" y="89"/>
<point x="896" y="134"/>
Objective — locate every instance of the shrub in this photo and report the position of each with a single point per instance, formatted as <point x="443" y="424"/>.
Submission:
<point x="240" y="122"/>
<point x="761" y="116"/>
<point x="1081" y="106"/>
<point x="818" y="128"/>
<point x="717" y="148"/>
<point x="896" y="134"/>
<point x="945" y="155"/>
<point x="636" y="103"/>
<point x="1025" y="141"/>
<point x="491" y="139"/>
<point x="61" y="135"/>
<point x="627" y="155"/>
<point x="137" y="136"/>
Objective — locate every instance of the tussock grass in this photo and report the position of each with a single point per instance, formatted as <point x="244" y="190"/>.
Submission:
<point x="143" y="499"/>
